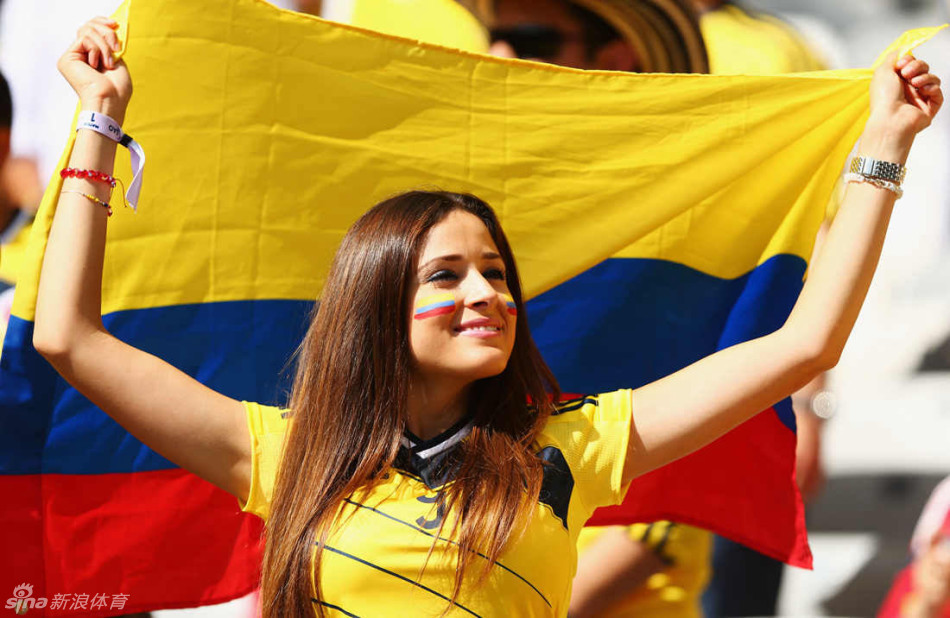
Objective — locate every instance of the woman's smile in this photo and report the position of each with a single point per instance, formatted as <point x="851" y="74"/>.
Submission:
<point x="482" y="328"/>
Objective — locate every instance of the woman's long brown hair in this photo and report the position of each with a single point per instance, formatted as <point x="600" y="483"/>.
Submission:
<point x="349" y="404"/>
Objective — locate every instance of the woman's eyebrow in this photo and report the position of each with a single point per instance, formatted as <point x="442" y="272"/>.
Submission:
<point x="455" y="257"/>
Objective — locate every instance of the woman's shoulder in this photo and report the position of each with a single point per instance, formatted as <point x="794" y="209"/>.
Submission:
<point x="585" y="439"/>
<point x="579" y="419"/>
<point x="266" y="419"/>
<point x="268" y="425"/>
<point x="587" y="408"/>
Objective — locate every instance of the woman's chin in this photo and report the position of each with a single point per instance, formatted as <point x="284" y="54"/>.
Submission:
<point x="486" y="366"/>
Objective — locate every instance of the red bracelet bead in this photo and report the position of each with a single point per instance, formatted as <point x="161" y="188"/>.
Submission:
<point x="70" y="172"/>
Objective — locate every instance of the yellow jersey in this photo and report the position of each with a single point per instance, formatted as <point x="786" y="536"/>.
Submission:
<point x="743" y="43"/>
<point x="675" y="591"/>
<point x="373" y="562"/>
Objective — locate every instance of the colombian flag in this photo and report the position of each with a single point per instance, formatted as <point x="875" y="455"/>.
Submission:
<point x="269" y="132"/>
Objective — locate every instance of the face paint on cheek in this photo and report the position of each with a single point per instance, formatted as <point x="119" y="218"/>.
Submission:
<point x="434" y="305"/>
<point x="510" y="304"/>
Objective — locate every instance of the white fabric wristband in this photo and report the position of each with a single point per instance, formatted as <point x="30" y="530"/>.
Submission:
<point x="103" y="124"/>
<point x="877" y="182"/>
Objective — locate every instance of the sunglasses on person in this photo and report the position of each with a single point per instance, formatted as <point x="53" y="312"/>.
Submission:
<point x="534" y="40"/>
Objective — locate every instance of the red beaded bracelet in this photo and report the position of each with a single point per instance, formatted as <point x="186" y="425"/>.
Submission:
<point x="69" y="172"/>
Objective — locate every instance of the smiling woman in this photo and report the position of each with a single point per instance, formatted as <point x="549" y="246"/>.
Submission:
<point x="462" y="366"/>
<point x="422" y="457"/>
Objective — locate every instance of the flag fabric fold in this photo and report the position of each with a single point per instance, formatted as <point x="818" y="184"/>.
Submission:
<point x="268" y="133"/>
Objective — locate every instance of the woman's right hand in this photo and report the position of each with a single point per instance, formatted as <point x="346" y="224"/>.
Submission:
<point x="102" y="82"/>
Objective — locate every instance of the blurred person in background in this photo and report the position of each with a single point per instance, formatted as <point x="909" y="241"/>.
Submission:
<point x="562" y="33"/>
<point x="616" y="35"/>
<point x="651" y="568"/>
<point x="12" y="219"/>
<point x="740" y="41"/>
<point x="313" y="7"/>
<point x="656" y="569"/>
<point x="459" y="24"/>
<point x="922" y="589"/>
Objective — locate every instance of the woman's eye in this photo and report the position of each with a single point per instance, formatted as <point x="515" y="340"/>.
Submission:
<point x="442" y="275"/>
<point x="495" y="273"/>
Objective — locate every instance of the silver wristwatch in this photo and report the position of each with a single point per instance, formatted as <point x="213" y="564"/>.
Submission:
<point x="881" y="170"/>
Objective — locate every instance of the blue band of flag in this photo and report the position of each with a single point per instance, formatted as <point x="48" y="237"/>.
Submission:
<point x="594" y="338"/>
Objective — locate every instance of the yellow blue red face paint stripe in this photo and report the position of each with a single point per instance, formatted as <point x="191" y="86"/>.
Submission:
<point x="510" y="305"/>
<point x="434" y="305"/>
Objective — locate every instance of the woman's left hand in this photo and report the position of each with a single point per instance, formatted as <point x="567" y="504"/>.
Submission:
<point x="905" y="96"/>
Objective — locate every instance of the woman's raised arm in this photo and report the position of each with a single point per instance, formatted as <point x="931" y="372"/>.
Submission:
<point x="200" y="430"/>
<point x="678" y="414"/>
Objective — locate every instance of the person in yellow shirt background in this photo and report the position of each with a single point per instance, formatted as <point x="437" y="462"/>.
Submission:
<point x="647" y="569"/>
<point x="14" y="221"/>
<point x="742" y="41"/>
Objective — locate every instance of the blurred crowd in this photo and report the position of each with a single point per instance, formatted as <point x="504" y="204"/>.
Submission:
<point x="647" y="569"/>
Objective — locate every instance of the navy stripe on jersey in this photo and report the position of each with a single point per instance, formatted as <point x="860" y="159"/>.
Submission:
<point x="658" y="546"/>
<point x="646" y="533"/>
<point x="331" y="606"/>
<point x="574" y="404"/>
<point x="398" y="576"/>
<point x="440" y="538"/>
<point x="557" y="482"/>
<point x="662" y="544"/>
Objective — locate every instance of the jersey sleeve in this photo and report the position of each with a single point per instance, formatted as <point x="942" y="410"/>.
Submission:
<point x="592" y="434"/>
<point x="267" y="425"/>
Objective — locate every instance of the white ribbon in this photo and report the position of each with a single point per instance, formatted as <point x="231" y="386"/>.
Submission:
<point x="104" y="125"/>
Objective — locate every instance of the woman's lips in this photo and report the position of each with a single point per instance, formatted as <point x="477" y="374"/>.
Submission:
<point x="482" y="332"/>
<point x="480" y="327"/>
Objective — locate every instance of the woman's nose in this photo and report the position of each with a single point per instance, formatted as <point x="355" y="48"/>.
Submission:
<point x="480" y="292"/>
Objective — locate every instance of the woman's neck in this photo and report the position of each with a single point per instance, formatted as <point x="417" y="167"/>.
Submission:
<point x="435" y="406"/>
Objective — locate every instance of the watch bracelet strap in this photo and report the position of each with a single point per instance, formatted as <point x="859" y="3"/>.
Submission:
<point x="870" y="167"/>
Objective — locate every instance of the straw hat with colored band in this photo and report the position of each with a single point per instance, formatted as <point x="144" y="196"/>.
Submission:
<point x="664" y="34"/>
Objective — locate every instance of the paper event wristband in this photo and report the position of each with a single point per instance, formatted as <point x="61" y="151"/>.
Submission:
<point x="103" y="124"/>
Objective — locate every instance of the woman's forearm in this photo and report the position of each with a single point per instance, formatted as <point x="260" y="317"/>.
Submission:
<point x="68" y="304"/>
<point x="841" y="273"/>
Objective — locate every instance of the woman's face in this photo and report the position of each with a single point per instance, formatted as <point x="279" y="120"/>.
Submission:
<point x="463" y="320"/>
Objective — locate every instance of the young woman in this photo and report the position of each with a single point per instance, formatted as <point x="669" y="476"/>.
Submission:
<point x="410" y="471"/>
